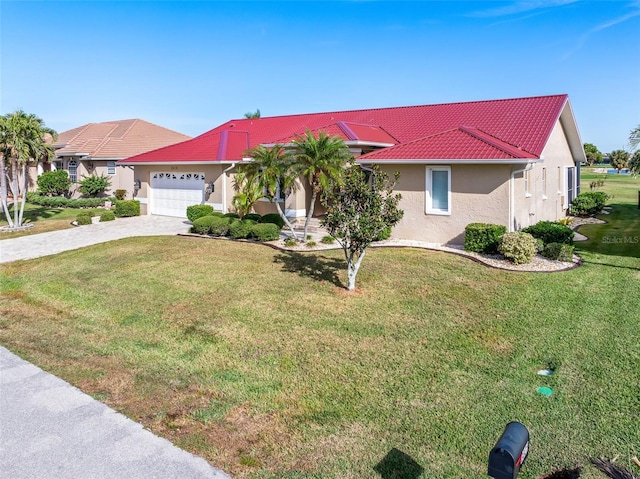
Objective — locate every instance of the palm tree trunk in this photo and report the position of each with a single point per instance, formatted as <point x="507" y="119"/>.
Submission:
<point x="15" y="191"/>
<point x="4" y="191"/>
<point x="310" y="212"/>
<point x="286" y="220"/>
<point x="25" y="186"/>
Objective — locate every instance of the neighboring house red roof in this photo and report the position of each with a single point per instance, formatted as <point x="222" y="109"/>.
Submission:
<point x="115" y="139"/>
<point x="496" y="129"/>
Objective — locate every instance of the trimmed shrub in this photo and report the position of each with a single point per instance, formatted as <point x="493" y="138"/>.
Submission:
<point x="198" y="211"/>
<point x="274" y="218"/>
<point x="127" y="208"/>
<point x="558" y="251"/>
<point x="265" y="232"/>
<point x="588" y="203"/>
<point x="483" y="237"/>
<point x="84" y="218"/>
<point x="231" y="215"/>
<point x="241" y="229"/>
<point x="62" y="202"/>
<point x="328" y="240"/>
<point x="54" y="183"/>
<point x="218" y="214"/>
<point x="202" y="225"/>
<point x="252" y="216"/>
<point x="550" y="232"/>
<point x="120" y="194"/>
<point x="220" y="225"/>
<point x="518" y="247"/>
<point x="107" y="216"/>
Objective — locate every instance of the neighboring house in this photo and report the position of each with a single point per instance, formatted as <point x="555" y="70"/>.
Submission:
<point x="512" y="162"/>
<point x="95" y="148"/>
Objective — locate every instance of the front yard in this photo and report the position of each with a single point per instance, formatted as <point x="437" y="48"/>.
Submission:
<point x="259" y="361"/>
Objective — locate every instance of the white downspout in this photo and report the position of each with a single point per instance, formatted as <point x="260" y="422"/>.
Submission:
<point x="225" y="208"/>
<point x="529" y="167"/>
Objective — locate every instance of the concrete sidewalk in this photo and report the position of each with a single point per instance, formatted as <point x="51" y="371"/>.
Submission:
<point x="35" y="246"/>
<point x="50" y="429"/>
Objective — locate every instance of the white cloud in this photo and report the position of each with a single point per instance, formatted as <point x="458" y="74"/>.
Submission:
<point x="522" y="7"/>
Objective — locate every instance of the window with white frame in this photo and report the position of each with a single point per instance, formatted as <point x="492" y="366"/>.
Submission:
<point x="73" y="170"/>
<point x="544" y="183"/>
<point x="527" y="182"/>
<point x="111" y="167"/>
<point x="280" y="193"/>
<point x="438" y="190"/>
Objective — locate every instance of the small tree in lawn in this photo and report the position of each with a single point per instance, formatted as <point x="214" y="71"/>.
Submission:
<point x="359" y="209"/>
<point x="619" y="159"/>
<point x="273" y="172"/>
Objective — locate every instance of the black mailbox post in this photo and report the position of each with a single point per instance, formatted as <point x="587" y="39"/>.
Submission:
<point x="509" y="453"/>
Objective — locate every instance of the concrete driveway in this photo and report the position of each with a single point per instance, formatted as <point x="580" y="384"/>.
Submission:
<point x="35" y="246"/>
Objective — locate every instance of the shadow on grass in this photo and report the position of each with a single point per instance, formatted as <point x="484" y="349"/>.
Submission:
<point x="37" y="213"/>
<point x="564" y="474"/>
<point x="312" y="266"/>
<point x="619" y="236"/>
<point x="398" y="465"/>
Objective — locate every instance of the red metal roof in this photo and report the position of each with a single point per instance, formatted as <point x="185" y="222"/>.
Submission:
<point x="494" y="129"/>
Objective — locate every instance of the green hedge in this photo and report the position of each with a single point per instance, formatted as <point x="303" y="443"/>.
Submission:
<point x="220" y="225"/>
<point x="241" y="229"/>
<point x="518" y="247"/>
<point x="558" y="251"/>
<point x="588" y="203"/>
<point x="127" y="208"/>
<point x="198" y="211"/>
<point x="551" y="232"/>
<point x="202" y="225"/>
<point x="483" y="237"/>
<point x="265" y="232"/>
<point x="62" y="202"/>
<point x="274" y="218"/>
<point x="252" y="216"/>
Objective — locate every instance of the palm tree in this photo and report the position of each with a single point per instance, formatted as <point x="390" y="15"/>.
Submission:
<point x="634" y="138"/>
<point x="320" y="160"/>
<point x="249" y="191"/>
<point x="272" y="171"/>
<point x="250" y="115"/>
<point x="22" y="141"/>
<point x="619" y="159"/>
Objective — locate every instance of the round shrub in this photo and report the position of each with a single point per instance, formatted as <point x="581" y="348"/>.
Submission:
<point x="220" y="225"/>
<point x="107" y="216"/>
<point x="588" y="203"/>
<point x="127" y="208"/>
<point x="232" y="215"/>
<point x="198" y="211"/>
<point x="483" y="237"/>
<point x="558" y="252"/>
<point x="518" y="247"/>
<point x="54" y="183"/>
<point x="83" y="218"/>
<point x="551" y="232"/>
<point x="218" y="214"/>
<point x="202" y="225"/>
<point x="274" y="218"/>
<point x="241" y="229"/>
<point x="252" y="216"/>
<point x="265" y="232"/>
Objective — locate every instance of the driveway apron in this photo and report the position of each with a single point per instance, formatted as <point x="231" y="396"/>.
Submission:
<point x="35" y="246"/>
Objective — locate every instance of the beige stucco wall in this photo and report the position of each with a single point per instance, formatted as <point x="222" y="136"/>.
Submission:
<point x="479" y="193"/>
<point x="536" y="204"/>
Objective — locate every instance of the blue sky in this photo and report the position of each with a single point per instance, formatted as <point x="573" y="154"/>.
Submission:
<point x="190" y="66"/>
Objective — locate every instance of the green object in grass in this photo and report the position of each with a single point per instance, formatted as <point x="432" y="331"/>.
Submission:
<point x="545" y="391"/>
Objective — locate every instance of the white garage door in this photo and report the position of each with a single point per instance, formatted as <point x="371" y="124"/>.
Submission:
<point x="171" y="192"/>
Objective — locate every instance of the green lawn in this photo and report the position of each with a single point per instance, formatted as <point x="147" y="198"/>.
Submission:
<point x="261" y="362"/>
<point x="43" y="219"/>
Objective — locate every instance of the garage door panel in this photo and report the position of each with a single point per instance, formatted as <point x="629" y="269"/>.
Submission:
<point x="172" y="193"/>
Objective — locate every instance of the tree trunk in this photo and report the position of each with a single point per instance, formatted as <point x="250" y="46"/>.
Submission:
<point x="310" y="212"/>
<point x="23" y="193"/>
<point x="352" y="270"/>
<point x="4" y="193"/>
<point x="15" y="191"/>
<point x="286" y="220"/>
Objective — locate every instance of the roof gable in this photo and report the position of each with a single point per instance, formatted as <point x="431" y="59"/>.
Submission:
<point x="511" y="128"/>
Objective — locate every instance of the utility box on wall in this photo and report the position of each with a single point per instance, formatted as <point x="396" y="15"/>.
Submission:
<point x="509" y="453"/>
